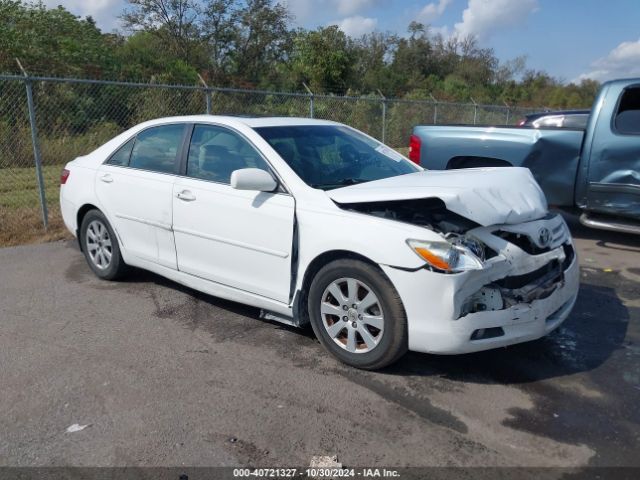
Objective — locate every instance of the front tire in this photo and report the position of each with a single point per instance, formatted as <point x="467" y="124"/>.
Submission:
<point x="357" y="314"/>
<point x="100" y="247"/>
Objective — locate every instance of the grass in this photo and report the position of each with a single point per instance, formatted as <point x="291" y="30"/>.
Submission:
<point x="20" y="212"/>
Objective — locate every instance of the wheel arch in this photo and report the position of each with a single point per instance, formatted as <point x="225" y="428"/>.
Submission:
<point x="82" y="212"/>
<point x="301" y="297"/>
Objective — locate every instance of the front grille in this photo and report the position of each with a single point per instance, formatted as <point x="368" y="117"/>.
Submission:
<point x="519" y="281"/>
<point x="557" y="234"/>
<point x="521" y="241"/>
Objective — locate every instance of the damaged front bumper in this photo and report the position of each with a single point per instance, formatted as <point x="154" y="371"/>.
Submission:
<point x="524" y="292"/>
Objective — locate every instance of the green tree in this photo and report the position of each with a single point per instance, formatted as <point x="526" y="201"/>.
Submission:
<point x="262" y="40"/>
<point x="51" y="41"/>
<point x="142" y="58"/>
<point x="323" y="59"/>
<point x="176" y="23"/>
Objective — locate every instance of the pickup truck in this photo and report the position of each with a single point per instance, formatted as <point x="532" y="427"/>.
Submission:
<point x="595" y="170"/>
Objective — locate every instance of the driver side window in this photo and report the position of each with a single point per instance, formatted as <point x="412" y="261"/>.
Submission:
<point x="216" y="152"/>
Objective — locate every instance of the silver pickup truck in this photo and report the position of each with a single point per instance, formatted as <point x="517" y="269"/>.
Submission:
<point x="595" y="170"/>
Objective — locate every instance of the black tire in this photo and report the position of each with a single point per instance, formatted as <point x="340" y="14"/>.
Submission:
<point x="394" y="338"/>
<point x="116" y="268"/>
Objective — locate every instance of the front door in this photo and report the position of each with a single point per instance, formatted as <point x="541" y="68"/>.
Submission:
<point x="241" y="239"/>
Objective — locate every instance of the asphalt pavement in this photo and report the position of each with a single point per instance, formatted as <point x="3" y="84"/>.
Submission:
<point x="147" y="372"/>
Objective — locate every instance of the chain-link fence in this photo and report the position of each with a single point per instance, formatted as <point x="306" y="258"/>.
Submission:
<point x="45" y="122"/>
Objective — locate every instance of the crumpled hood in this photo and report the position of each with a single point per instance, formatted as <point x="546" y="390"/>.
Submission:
<point x="488" y="196"/>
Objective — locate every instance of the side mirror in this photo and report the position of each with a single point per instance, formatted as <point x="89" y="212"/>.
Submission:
<point x="253" y="179"/>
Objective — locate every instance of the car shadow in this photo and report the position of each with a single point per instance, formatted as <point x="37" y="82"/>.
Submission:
<point x="596" y="328"/>
<point x="144" y="277"/>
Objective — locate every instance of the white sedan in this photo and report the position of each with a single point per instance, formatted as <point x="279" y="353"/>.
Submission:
<point x="313" y="221"/>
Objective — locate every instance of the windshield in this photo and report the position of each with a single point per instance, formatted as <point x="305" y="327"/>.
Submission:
<point x="332" y="156"/>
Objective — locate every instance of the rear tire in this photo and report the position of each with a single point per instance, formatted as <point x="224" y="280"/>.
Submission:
<point x="357" y="314"/>
<point x="100" y="247"/>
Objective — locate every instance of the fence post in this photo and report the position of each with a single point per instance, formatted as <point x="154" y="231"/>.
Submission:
<point x="311" y="101"/>
<point x="207" y="94"/>
<point x="475" y="111"/>
<point x="508" y="111"/>
<point x="36" y="147"/>
<point x="384" y="116"/>
<point x="435" y="109"/>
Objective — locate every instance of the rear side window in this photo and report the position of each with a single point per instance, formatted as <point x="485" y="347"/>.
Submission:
<point x="156" y="148"/>
<point x="627" y="119"/>
<point x="121" y="156"/>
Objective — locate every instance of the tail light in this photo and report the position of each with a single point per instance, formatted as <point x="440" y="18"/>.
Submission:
<point x="521" y="122"/>
<point x="64" y="176"/>
<point x="415" y="144"/>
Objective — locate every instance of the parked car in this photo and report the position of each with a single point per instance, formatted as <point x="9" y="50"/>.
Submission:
<point x="313" y="221"/>
<point x="595" y="171"/>
<point x="558" y="119"/>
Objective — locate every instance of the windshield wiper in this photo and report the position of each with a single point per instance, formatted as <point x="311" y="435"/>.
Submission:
<point x="345" y="182"/>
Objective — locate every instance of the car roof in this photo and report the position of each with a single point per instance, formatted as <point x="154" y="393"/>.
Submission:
<point x="232" y="120"/>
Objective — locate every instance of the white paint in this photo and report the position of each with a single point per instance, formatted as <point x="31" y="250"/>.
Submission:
<point x="237" y="244"/>
<point x="488" y="196"/>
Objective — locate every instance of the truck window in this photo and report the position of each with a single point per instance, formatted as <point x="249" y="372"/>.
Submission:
<point x="627" y="119"/>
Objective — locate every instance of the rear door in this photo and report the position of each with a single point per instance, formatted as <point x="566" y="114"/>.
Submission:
<point x="614" y="163"/>
<point x="241" y="239"/>
<point x="135" y="187"/>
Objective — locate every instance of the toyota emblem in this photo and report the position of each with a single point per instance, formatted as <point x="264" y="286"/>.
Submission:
<point x="544" y="237"/>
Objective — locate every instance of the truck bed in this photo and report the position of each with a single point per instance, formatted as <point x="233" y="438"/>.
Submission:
<point x="552" y="154"/>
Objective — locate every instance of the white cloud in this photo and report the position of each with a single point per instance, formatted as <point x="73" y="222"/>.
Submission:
<point x="104" y="12"/>
<point x="356" y="26"/>
<point x="432" y="11"/>
<point x="483" y="17"/>
<point x="623" y="61"/>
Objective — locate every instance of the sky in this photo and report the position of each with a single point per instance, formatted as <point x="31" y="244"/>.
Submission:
<point x="569" y="39"/>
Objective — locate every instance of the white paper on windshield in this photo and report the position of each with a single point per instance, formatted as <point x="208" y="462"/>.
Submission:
<point x="389" y="152"/>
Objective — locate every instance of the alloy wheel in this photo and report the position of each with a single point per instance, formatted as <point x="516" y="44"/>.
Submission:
<point x="99" y="244"/>
<point x="352" y="315"/>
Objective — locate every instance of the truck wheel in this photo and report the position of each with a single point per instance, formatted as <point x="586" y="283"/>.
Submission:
<point x="357" y="314"/>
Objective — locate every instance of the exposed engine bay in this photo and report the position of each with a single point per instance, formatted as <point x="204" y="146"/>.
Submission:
<point x="431" y="213"/>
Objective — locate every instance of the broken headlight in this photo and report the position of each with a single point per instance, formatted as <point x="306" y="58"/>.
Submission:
<point x="446" y="256"/>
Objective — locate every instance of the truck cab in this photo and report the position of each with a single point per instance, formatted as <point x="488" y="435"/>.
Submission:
<point x="595" y="170"/>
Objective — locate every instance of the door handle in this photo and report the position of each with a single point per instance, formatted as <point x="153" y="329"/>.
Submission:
<point x="106" y="178"/>
<point x="186" y="195"/>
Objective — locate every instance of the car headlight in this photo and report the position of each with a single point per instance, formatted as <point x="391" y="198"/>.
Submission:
<point x="446" y="256"/>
